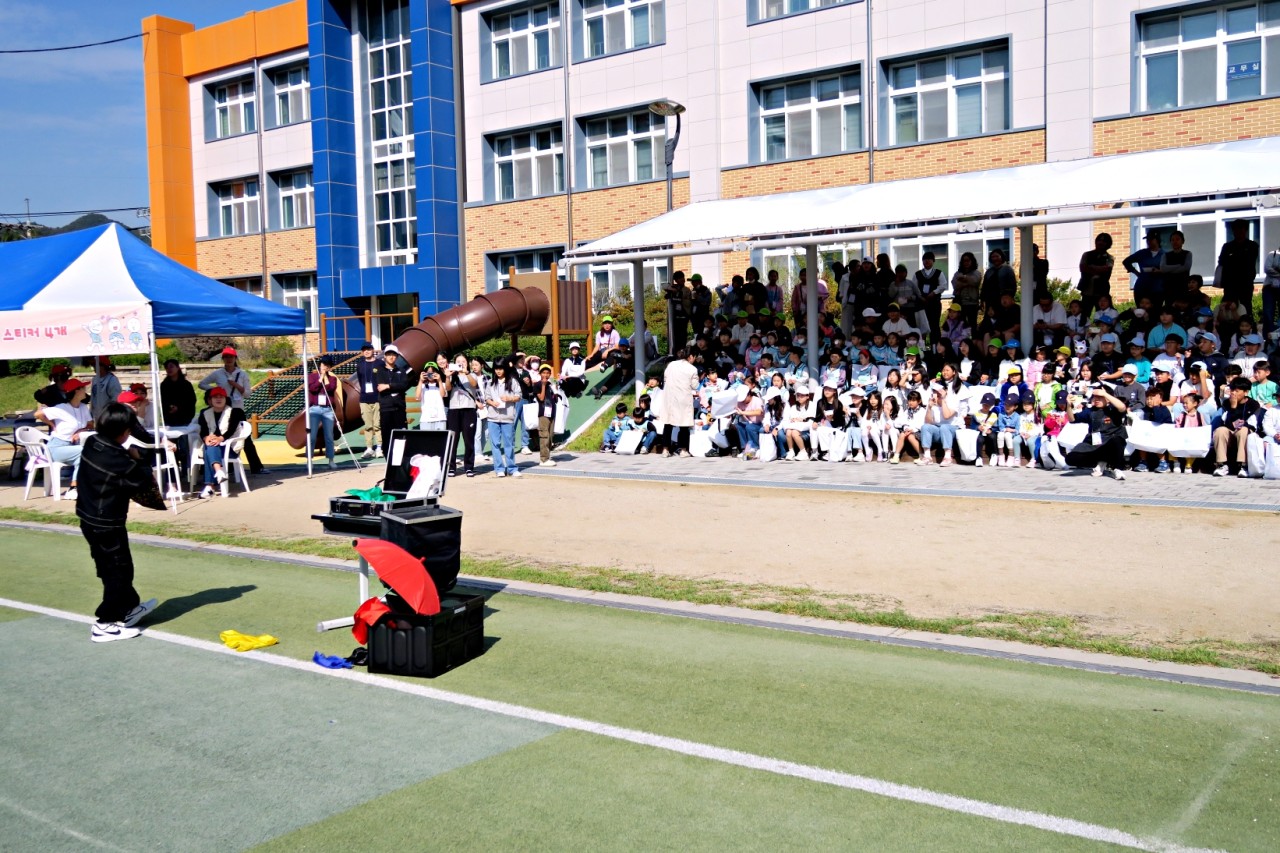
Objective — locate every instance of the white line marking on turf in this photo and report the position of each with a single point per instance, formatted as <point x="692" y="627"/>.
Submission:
<point x="1230" y="757"/>
<point x="65" y="830"/>
<point x="880" y="787"/>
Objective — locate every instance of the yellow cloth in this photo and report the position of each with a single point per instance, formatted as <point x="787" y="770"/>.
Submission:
<point x="246" y="642"/>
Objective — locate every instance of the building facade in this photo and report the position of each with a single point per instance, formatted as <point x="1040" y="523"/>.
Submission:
<point x="459" y="140"/>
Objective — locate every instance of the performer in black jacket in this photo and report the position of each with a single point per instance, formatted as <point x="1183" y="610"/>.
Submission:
<point x="110" y="477"/>
<point x="391" y="381"/>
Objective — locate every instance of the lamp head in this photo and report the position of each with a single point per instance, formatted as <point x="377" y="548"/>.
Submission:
<point x="666" y="107"/>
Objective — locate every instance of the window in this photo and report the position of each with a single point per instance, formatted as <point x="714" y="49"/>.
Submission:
<point x="525" y="40"/>
<point x="625" y="148"/>
<point x="1204" y="234"/>
<point x="251" y="286"/>
<point x="1209" y="55"/>
<point x="234" y="108"/>
<point x="388" y="67"/>
<point x="947" y="250"/>
<point x="788" y="262"/>
<point x="767" y="9"/>
<point x="533" y="260"/>
<point x="941" y="97"/>
<point x="293" y="94"/>
<point x="529" y="163"/>
<point x="299" y="291"/>
<point x="612" y="26"/>
<point x="296" y="199"/>
<point x="238" y="207"/>
<point x="611" y="282"/>
<point x="812" y="116"/>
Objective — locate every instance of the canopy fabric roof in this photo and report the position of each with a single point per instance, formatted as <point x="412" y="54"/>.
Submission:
<point x="1247" y="166"/>
<point x="102" y="290"/>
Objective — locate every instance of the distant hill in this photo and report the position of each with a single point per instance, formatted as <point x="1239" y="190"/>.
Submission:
<point x="11" y="231"/>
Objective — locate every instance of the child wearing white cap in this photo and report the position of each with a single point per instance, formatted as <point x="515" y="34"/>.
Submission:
<point x="572" y="372"/>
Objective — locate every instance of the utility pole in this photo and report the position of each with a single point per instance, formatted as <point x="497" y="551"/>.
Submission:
<point x="28" y="222"/>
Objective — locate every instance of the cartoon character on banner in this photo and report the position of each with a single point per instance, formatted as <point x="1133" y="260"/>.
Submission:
<point x="94" y="328"/>
<point x="135" y="332"/>
<point x="116" y="338"/>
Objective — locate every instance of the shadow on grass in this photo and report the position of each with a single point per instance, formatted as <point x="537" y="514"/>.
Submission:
<point x="172" y="608"/>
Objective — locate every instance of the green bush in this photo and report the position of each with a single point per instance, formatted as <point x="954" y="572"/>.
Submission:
<point x="279" y="353"/>
<point x="202" y="348"/>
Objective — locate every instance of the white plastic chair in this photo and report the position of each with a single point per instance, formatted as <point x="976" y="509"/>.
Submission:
<point x="170" y="473"/>
<point x="231" y="462"/>
<point x="36" y="445"/>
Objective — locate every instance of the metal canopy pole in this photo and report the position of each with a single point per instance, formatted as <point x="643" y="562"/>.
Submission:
<point x="305" y="408"/>
<point x="811" y="308"/>
<point x="637" y="335"/>
<point x="1027" y="289"/>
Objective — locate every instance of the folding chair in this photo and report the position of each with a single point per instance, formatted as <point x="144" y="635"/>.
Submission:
<point x="36" y="445"/>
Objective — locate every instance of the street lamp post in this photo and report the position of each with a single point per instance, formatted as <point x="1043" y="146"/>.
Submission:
<point x="666" y="108"/>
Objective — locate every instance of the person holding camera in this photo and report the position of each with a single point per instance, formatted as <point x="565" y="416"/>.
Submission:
<point x="1104" y="447"/>
<point x="463" y="380"/>
<point x="431" y="393"/>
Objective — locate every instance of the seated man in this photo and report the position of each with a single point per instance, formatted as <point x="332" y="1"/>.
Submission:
<point x="1104" y="446"/>
<point x="1235" y="421"/>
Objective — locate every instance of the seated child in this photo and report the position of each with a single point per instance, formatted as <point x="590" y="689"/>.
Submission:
<point x="620" y="424"/>
<point x="1189" y="419"/>
<point x="984" y="421"/>
<point x="1263" y="390"/>
<point x="1157" y="413"/>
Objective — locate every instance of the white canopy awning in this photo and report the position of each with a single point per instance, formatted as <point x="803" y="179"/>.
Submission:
<point x="916" y="205"/>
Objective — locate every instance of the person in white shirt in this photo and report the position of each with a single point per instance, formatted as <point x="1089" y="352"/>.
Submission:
<point x="572" y="371"/>
<point x="895" y="322"/>
<point x="431" y="394"/>
<point x="1049" y="320"/>
<point x="70" y="423"/>
<point x="943" y="416"/>
<point x="910" y="423"/>
<point x="741" y="332"/>
<point x="798" y="419"/>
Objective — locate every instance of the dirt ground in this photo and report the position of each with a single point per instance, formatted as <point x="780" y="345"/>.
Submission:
<point x="1149" y="573"/>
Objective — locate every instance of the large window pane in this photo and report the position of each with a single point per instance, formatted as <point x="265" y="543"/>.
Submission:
<point x="800" y="129"/>
<point x="853" y="127"/>
<point x="1244" y="68"/>
<point x="775" y="138"/>
<point x="615" y="30"/>
<point x="1273" y="65"/>
<point x="1202" y="26"/>
<point x="644" y="160"/>
<point x="933" y="71"/>
<point x="933" y="119"/>
<point x="969" y="110"/>
<point x="968" y="66"/>
<point x="524" y="178"/>
<point x="599" y="167"/>
<point x="1162" y="81"/>
<point x="1199" y="76"/>
<point x="830" y="130"/>
<point x="1242" y="20"/>
<point x="997" y="98"/>
<point x="506" y="181"/>
<point x="1160" y="33"/>
<point x="905" y="121"/>
<point x="640" y="26"/>
<point x="619" y="167"/>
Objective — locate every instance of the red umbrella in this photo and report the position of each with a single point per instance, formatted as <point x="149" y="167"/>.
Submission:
<point x="403" y="572"/>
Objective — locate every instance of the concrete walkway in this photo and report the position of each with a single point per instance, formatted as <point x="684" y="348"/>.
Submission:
<point x="1198" y="491"/>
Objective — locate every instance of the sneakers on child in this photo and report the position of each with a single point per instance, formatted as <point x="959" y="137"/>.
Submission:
<point x="1243" y="473"/>
<point x="894" y="460"/>
<point x="791" y="456"/>
<point x="1163" y="467"/>
<point x="515" y="473"/>
<point x="1117" y="473"/>
<point x="1141" y="468"/>
<point x="499" y="473"/>
<point x="139" y="613"/>
<point x="977" y="463"/>
<point x="377" y="454"/>
<point x="1221" y="471"/>
<point x="368" y="453"/>
<point x="106" y="632"/>
<point x="550" y="463"/>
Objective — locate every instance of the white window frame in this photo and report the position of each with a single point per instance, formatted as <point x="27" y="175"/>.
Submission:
<point x="1176" y="46"/>
<point x="519" y="34"/>
<point x="524" y="260"/>
<point x="949" y="85"/>
<point x="251" y="285"/>
<point x="389" y="85"/>
<point x="536" y="153"/>
<point x="619" y="18"/>
<point x="298" y="290"/>
<point x="605" y="138"/>
<point x="613" y="281"/>
<point x="293" y="94"/>
<point x="788" y="261"/>
<point x="1206" y="232"/>
<point x="239" y="207"/>
<point x="235" y="108"/>
<point x="297" y="199"/>
<point x="799" y="111"/>
<point x="947" y="249"/>
<point x="768" y="10"/>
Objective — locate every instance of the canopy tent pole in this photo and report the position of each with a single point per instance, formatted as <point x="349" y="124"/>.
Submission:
<point x="158" y="435"/>
<point x="305" y="408"/>
<point x="1027" y="289"/>
<point x="637" y="335"/>
<point x="811" y="309"/>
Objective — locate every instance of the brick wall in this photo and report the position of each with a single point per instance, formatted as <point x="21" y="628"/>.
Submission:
<point x="1202" y="126"/>
<point x="793" y="176"/>
<point x="960" y="155"/>
<point x="544" y="221"/>
<point x="241" y="257"/>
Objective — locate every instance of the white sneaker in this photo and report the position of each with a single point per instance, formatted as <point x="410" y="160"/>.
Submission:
<point x="368" y="454"/>
<point x="377" y="454"/>
<point x="977" y="463"/>
<point x="70" y="495"/>
<point x="1117" y="473"/>
<point x="791" y="456"/>
<point x="1221" y="471"/>
<point x="515" y="473"/>
<point x="550" y="463"/>
<point x="1243" y="473"/>
<point x="1098" y="470"/>
<point x="106" y="632"/>
<point x="206" y="492"/>
<point x="803" y="457"/>
<point x="221" y="474"/>
<point x="137" y="614"/>
<point x="524" y="451"/>
<point x="499" y="473"/>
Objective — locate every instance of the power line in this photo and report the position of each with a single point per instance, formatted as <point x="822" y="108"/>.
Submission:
<point x="74" y="46"/>
<point x="136" y="209"/>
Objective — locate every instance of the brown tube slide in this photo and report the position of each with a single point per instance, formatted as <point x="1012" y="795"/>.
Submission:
<point x="510" y="311"/>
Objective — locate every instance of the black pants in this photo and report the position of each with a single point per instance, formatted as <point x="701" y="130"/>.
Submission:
<point x="463" y="422"/>
<point x="1086" y="454"/>
<point x="679" y="335"/>
<point x="109" y="547"/>
<point x="251" y="456"/>
<point x="671" y="442"/>
<point x="573" y="386"/>
<point x="391" y="418"/>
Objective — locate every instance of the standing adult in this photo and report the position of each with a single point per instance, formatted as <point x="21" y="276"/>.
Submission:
<point x="501" y="396"/>
<point x="1039" y="268"/>
<point x="679" y="308"/>
<point x="1095" y="273"/>
<point x="679" y="385"/>
<point x="1238" y="266"/>
<point x="754" y="293"/>
<point x="369" y="411"/>
<point x="998" y="280"/>
<point x="1270" y="292"/>
<point x="700" y="302"/>
<point x="966" y="286"/>
<point x="1145" y="265"/>
<point x="1175" y="269"/>
<point x="391" y="382"/>
<point x="929" y="281"/>
<point x="106" y="388"/>
<point x="233" y="379"/>
<point x="464" y="395"/>
<point x="800" y="299"/>
<point x="177" y="396"/>
<point x="322" y="389"/>
<point x="545" y="391"/>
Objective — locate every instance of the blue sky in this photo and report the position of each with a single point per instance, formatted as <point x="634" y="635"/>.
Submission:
<point x="72" y="123"/>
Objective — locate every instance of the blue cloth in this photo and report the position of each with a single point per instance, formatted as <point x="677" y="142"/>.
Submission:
<point x="945" y="434"/>
<point x="749" y="434"/>
<point x="331" y="661"/>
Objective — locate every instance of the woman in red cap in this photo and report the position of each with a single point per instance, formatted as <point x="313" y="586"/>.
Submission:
<point x="69" y="423"/>
<point x="217" y="424"/>
<point x="234" y="380"/>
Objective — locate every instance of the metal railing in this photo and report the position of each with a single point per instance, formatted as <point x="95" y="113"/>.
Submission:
<point x="352" y="331"/>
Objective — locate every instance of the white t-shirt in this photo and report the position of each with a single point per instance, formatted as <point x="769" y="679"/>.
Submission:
<point x="67" y="419"/>
<point x="431" y="404"/>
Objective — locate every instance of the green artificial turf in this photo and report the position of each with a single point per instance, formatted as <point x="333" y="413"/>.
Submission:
<point x="1126" y="753"/>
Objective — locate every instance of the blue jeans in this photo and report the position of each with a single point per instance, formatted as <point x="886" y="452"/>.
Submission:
<point x="611" y="437"/>
<point x="66" y="452"/>
<point x="502" y="438"/>
<point x="212" y="455"/>
<point x="322" y="416"/>
<point x="519" y="424"/>
<point x="944" y="433"/>
<point x="749" y="435"/>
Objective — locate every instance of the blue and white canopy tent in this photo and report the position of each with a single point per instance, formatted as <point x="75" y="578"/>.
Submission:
<point x="102" y="291"/>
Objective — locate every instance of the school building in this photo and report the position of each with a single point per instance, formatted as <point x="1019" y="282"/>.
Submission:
<point x="398" y="156"/>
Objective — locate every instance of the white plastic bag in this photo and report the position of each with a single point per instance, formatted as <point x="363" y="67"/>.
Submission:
<point x="1071" y="435"/>
<point x="629" y="442"/>
<point x="967" y="444"/>
<point x="700" y="442"/>
<point x="1193" y="442"/>
<point x="561" y="423"/>
<point x="1255" y="455"/>
<point x="838" y="445"/>
<point x="768" y="448"/>
<point x="1272" y="467"/>
<point x="529" y="412"/>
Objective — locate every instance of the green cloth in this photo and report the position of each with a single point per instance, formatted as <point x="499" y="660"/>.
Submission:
<point x="374" y="495"/>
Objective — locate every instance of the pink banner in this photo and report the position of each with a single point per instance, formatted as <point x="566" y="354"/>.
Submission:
<point x="85" y="331"/>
